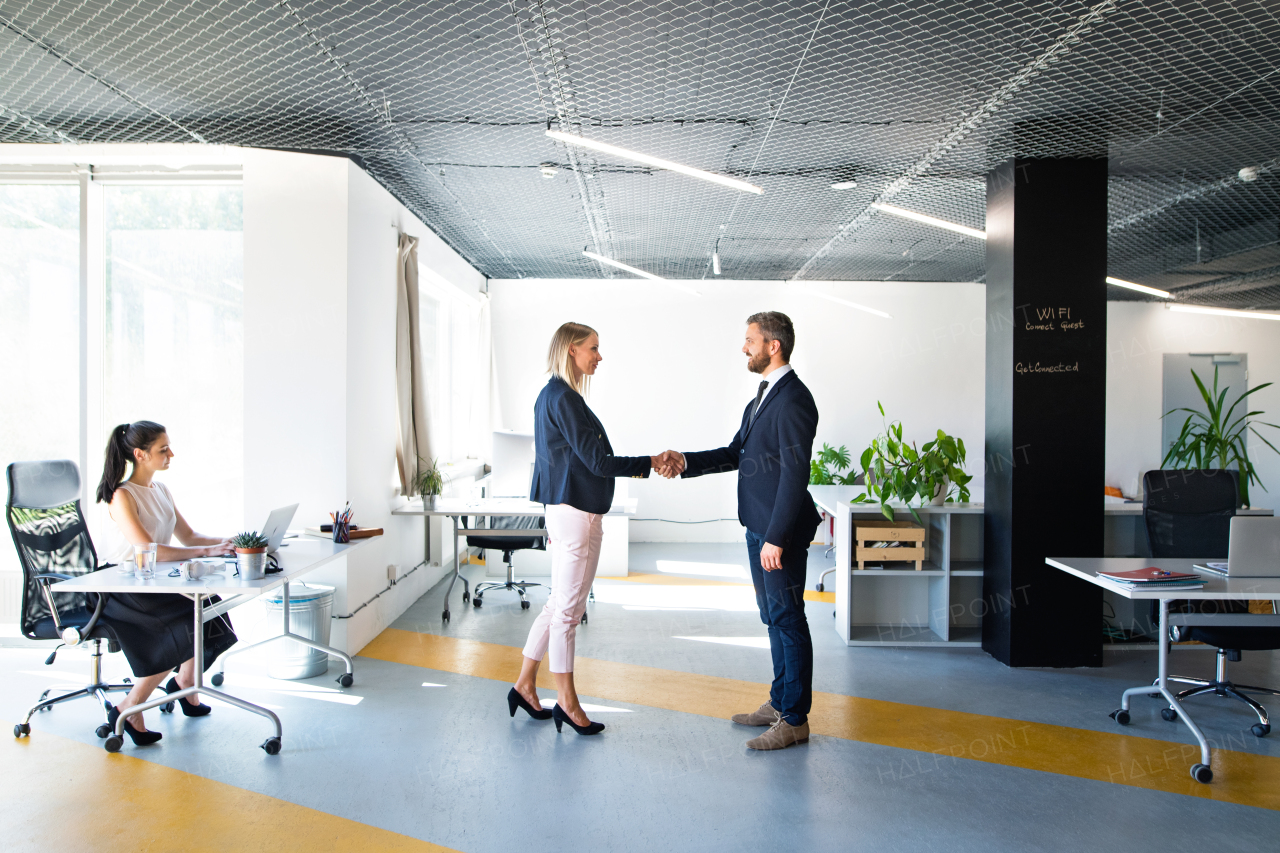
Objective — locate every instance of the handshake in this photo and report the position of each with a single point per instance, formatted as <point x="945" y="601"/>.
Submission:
<point x="669" y="463"/>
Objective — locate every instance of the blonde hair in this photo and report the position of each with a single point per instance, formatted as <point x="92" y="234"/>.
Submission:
<point x="560" y="363"/>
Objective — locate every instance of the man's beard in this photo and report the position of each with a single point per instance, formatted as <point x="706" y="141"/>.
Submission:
<point x="759" y="362"/>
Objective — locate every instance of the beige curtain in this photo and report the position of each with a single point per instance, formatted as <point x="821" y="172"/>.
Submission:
<point x="412" y="440"/>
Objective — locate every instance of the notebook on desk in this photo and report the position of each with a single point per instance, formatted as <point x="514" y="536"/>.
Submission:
<point x="1155" y="577"/>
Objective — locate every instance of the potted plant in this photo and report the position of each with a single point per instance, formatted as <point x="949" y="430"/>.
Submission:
<point x="895" y="468"/>
<point x="251" y="549"/>
<point x="430" y="482"/>
<point x="1211" y="437"/>
<point x="827" y="469"/>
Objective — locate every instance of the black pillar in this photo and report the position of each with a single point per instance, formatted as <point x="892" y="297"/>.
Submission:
<point x="1046" y="407"/>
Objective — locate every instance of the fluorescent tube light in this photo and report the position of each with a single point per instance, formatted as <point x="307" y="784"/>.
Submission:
<point x="620" y="265"/>
<point x="844" y="302"/>
<point x="715" y="262"/>
<point x="930" y="220"/>
<point x="656" y="162"/>
<point x="1223" y="312"/>
<point x="844" y="185"/>
<point x="1141" y="288"/>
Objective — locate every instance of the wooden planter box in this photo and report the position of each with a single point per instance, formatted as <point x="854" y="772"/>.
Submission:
<point x="866" y="532"/>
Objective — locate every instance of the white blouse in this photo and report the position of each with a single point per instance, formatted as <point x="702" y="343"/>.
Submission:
<point x="156" y="513"/>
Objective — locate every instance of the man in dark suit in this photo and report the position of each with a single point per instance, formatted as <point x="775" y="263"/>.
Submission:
<point x="771" y="453"/>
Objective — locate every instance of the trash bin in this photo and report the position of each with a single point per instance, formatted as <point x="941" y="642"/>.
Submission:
<point x="310" y="607"/>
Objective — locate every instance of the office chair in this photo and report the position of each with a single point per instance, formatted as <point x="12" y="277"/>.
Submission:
<point x="53" y="544"/>
<point x="1188" y="515"/>
<point x="508" y="545"/>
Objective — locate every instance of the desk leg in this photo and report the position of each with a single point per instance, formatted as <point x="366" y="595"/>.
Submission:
<point x="457" y="566"/>
<point x="1200" y="772"/>
<point x="346" y="679"/>
<point x="271" y="744"/>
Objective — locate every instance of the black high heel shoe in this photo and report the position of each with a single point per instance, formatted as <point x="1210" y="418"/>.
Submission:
<point x="187" y="708"/>
<point x="515" y="700"/>
<point x="138" y="738"/>
<point x="561" y="717"/>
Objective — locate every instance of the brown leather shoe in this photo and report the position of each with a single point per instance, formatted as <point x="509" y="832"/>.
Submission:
<point x="780" y="736"/>
<point x="765" y="715"/>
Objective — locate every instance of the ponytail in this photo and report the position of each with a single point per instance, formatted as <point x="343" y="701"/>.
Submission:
<point x="120" y="446"/>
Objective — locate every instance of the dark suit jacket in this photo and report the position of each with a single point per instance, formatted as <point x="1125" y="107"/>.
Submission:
<point x="575" y="464"/>
<point x="771" y="456"/>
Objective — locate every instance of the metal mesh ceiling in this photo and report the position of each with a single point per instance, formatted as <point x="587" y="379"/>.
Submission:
<point x="446" y="105"/>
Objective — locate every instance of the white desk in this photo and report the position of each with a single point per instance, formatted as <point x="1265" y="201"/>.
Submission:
<point x="299" y="557"/>
<point x="457" y="508"/>
<point x="1216" y="587"/>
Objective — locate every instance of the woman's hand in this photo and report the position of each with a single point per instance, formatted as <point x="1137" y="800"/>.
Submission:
<point x="223" y="547"/>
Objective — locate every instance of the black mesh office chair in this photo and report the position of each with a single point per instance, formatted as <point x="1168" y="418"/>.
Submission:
<point x="53" y="544"/>
<point x="508" y="545"/>
<point x="1188" y="515"/>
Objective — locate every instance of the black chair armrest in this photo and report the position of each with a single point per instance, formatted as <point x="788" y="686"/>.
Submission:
<point x="52" y="577"/>
<point x="45" y="581"/>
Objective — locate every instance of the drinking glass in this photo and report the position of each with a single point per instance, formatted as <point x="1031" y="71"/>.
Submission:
<point x="145" y="556"/>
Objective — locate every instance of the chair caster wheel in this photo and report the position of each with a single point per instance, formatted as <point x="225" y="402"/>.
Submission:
<point x="1121" y="716"/>
<point x="477" y="601"/>
<point x="271" y="746"/>
<point x="584" y="618"/>
<point x="1168" y="714"/>
<point x="1201" y="773"/>
<point x="466" y="597"/>
<point x="524" y="605"/>
<point x="166" y="708"/>
<point x="21" y="729"/>
<point x="113" y="743"/>
<point x="445" y="616"/>
<point x="126" y="681"/>
<point x="346" y="679"/>
<point x="819" y="588"/>
<point x="102" y="730"/>
<point x="1261" y="729"/>
<point x="216" y="679"/>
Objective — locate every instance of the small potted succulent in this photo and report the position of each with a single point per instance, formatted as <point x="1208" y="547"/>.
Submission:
<point x="251" y="549"/>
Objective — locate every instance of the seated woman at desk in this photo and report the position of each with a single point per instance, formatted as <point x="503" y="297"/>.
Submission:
<point x="154" y="629"/>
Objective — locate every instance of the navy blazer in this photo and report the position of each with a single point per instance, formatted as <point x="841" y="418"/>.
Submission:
<point x="575" y="464"/>
<point x="771" y="455"/>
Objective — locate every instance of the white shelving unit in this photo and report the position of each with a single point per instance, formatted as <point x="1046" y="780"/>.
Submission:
<point x="941" y="605"/>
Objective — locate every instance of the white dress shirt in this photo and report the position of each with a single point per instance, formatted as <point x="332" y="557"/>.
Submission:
<point x="772" y="379"/>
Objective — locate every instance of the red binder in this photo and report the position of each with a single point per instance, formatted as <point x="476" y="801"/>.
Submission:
<point x="1150" y="575"/>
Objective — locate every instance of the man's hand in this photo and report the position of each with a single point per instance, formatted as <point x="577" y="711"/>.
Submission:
<point x="770" y="557"/>
<point x="669" y="463"/>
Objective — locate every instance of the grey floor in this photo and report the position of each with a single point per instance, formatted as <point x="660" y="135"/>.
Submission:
<point x="446" y="764"/>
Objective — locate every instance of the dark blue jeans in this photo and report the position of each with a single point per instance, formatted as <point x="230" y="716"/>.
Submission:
<point x="780" y="596"/>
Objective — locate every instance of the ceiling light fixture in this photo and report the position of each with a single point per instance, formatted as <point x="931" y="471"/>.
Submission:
<point x="844" y="185"/>
<point x="845" y="302"/>
<point x="1141" y="288"/>
<point x="548" y="170"/>
<point x="1223" y="312"/>
<point x="930" y="220"/>
<point x="656" y="162"/>
<point x="628" y="268"/>
<point x="715" y="262"/>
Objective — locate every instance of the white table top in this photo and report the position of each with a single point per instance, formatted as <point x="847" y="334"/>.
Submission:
<point x="1216" y="586"/>
<point x="296" y="556"/>
<point x="495" y="506"/>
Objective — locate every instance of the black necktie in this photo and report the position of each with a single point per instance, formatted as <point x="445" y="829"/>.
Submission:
<point x="764" y="384"/>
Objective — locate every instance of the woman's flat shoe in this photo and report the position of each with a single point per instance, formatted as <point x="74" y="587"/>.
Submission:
<point x="138" y="738"/>
<point x="187" y="708"/>
<point x="515" y="700"/>
<point x="561" y="717"/>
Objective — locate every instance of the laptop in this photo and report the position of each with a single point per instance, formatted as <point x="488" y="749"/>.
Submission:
<point x="1254" y="549"/>
<point x="275" y="528"/>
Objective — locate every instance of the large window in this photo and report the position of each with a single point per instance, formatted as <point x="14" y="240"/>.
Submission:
<point x="158" y="276"/>
<point x="449" y="321"/>
<point x="174" y="352"/>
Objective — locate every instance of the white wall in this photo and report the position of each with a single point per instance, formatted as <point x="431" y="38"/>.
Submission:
<point x="320" y="409"/>
<point x="1138" y="334"/>
<point x="673" y="374"/>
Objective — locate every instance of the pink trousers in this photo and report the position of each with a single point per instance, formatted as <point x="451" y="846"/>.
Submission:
<point x="574" y="538"/>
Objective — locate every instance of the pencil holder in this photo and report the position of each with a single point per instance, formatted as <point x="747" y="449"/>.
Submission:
<point x="341" y="531"/>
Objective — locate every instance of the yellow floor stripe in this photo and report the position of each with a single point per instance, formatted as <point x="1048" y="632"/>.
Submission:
<point x="937" y="737"/>
<point x="60" y="794"/>
<point x="676" y="580"/>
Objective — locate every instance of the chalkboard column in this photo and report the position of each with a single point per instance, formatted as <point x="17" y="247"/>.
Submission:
<point x="1046" y="405"/>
